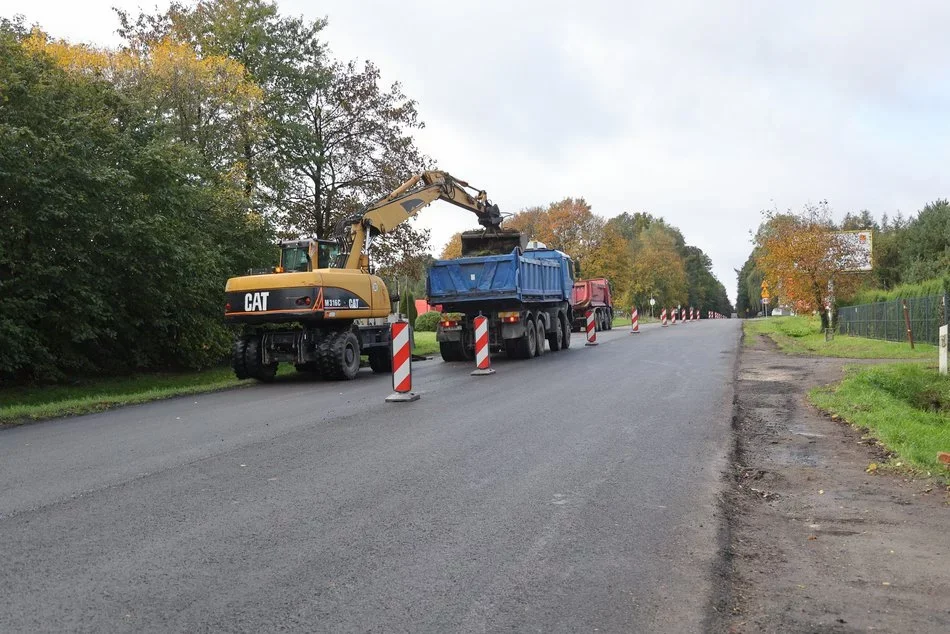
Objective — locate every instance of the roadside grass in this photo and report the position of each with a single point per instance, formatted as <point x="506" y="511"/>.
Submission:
<point x="19" y="404"/>
<point x="906" y="406"/>
<point x="27" y="403"/>
<point x="625" y="321"/>
<point x="802" y="335"/>
<point x="425" y="343"/>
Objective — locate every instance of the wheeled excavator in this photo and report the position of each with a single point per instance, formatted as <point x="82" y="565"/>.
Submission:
<point x="320" y="308"/>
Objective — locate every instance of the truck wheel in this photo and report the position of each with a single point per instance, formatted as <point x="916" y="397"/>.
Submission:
<point x="566" y="342"/>
<point x="531" y="340"/>
<point x="237" y="359"/>
<point x="539" y="326"/>
<point x="380" y="360"/>
<point x="608" y="320"/>
<point x="555" y="338"/>
<point x="253" y="361"/>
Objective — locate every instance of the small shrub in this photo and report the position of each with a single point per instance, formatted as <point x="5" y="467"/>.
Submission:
<point x="428" y="322"/>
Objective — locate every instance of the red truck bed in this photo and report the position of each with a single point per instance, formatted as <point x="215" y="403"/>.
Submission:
<point x="593" y="294"/>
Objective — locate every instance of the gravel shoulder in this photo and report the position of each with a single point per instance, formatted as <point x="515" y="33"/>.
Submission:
<point x="816" y="544"/>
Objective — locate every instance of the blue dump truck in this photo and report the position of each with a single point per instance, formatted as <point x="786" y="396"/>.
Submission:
<point x="525" y="294"/>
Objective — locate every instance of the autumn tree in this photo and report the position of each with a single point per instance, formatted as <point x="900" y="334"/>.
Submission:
<point x="107" y="213"/>
<point x="327" y="139"/>
<point x="453" y="248"/>
<point x="805" y="260"/>
<point x="658" y="270"/>
<point x="610" y="258"/>
<point x="568" y="225"/>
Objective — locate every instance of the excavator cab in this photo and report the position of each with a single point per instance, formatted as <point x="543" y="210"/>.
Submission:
<point x="307" y="255"/>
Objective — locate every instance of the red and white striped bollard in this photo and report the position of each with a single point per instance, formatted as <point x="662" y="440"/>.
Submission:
<point x="663" y="318"/>
<point x="634" y="321"/>
<point x="591" y="329"/>
<point x="482" y="356"/>
<point x="402" y="364"/>
<point x="673" y="312"/>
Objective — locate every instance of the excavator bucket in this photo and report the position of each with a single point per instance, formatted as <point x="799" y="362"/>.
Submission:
<point x="491" y="242"/>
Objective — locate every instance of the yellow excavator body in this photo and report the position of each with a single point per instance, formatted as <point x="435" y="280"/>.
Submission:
<point x="311" y="297"/>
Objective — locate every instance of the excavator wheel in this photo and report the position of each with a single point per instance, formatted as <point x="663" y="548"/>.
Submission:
<point x="237" y="359"/>
<point x="253" y="361"/>
<point x="339" y="355"/>
<point x="380" y="360"/>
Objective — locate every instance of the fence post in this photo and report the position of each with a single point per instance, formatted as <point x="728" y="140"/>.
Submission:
<point x="910" y="335"/>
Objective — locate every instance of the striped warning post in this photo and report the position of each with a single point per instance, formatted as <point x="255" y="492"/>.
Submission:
<point x="482" y="357"/>
<point x="402" y="364"/>
<point x="591" y="329"/>
<point x="663" y="318"/>
<point x="673" y="313"/>
<point x="634" y="321"/>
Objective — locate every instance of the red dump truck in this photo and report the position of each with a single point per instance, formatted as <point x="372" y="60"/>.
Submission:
<point x="592" y="295"/>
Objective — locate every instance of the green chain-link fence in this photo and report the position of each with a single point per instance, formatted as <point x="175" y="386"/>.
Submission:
<point x="885" y="320"/>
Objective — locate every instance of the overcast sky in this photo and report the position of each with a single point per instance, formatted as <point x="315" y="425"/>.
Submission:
<point x="701" y="112"/>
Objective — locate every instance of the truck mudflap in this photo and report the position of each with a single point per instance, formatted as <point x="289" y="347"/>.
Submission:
<point x="512" y="331"/>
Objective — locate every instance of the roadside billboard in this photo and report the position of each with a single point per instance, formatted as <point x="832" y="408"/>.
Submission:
<point x="857" y="246"/>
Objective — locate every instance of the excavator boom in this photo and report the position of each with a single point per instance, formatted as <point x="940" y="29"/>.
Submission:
<point x="384" y="214"/>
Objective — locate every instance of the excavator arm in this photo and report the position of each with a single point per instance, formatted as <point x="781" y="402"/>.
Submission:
<point x="383" y="215"/>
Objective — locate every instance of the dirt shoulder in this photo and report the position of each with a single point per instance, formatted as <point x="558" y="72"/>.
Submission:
<point x="816" y="544"/>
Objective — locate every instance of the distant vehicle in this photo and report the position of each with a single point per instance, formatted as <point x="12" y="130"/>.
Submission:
<point x="592" y="294"/>
<point x="525" y="294"/>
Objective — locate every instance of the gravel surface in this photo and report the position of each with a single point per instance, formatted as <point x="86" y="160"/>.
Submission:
<point x="818" y="544"/>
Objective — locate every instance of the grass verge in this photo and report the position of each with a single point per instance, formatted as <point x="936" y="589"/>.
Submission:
<point x="425" y="343"/>
<point x="906" y="406"/>
<point x="21" y="404"/>
<point x="802" y="335"/>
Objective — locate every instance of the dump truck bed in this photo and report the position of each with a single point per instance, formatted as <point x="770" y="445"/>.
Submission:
<point x="513" y="278"/>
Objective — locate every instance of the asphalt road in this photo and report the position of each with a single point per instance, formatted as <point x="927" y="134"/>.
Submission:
<point x="576" y="492"/>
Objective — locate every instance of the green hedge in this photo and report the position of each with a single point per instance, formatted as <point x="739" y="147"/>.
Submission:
<point x="903" y="291"/>
<point x="428" y="322"/>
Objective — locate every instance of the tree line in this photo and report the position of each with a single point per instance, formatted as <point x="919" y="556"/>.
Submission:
<point x="135" y="180"/>
<point x="640" y="254"/>
<point x="795" y="252"/>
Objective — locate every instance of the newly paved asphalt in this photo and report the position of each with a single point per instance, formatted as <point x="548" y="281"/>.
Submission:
<point x="575" y="492"/>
